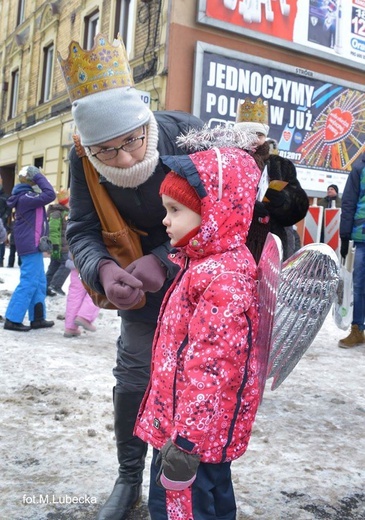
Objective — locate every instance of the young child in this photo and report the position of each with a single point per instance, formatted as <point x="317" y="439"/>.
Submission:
<point x="57" y="272"/>
<point x="80" y="309"/>
<point x="29" y="199"/>
<point x="203" y="395"/>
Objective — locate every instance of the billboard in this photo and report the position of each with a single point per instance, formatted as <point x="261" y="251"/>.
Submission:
<point x="318" y="122"/>
<point x="335" y="29"/>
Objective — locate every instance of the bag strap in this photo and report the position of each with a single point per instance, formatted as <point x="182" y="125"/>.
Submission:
<point x="19" y="215"/>
<point x="110" y="220"/>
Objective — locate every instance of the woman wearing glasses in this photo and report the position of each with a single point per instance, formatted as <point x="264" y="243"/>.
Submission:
<point x="123" y="140"/>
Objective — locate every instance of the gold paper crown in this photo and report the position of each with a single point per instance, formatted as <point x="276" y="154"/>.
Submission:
<point x="63" y="194"/>
<point x="103" y="67"/>
<point x="250" y="112"/>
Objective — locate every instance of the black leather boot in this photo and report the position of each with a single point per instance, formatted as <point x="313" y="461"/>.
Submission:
<point x="13" y="325"/>
<point x="39" y="322"/>
<point x="131" y="456"/>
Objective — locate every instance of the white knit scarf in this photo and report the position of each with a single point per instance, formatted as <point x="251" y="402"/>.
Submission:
<point x="140" y="172"/>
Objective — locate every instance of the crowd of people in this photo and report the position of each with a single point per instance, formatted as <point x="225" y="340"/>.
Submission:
<point x="33" y="233"/>
<point x="186" y="358"/>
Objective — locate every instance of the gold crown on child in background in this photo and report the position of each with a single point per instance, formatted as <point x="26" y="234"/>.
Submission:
<point x="105" y="66"/>
<point x="252" y="112"/>
<point x="63" y="196"/>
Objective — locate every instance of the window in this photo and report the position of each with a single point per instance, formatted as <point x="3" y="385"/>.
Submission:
<point x="38" y="162"/>
<point x="21" y="12"/>
<point x="47" y="73"/>
<point x="91" y="29"/>
<point x="14" y="93"/>
<point x="124" y="22"/>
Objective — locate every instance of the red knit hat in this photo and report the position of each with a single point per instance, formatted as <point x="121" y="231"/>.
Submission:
<point x="180" y="190"/>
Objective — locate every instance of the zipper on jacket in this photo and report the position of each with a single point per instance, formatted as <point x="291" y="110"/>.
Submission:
<point x="240" y="392"/>
<point x="185" y="341"/>
<point x="180" y="349"/>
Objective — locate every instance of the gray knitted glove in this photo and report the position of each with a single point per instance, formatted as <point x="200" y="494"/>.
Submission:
<point x="27" y="173"/>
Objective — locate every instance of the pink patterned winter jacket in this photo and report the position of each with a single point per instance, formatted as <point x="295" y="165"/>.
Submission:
<point x="203" y="391"/>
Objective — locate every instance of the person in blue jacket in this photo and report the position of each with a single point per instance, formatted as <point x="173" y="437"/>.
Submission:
<point x="4" y="217"/>
<point x="30" y="225"/>
<point x="352" y="227"/>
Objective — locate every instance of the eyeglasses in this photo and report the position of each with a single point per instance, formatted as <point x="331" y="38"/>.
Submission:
<point x="107" y="154"/>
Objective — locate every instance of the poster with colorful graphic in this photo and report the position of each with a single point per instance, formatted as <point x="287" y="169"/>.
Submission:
<point x="318" y="123"/>
<point x="334" y="28"/>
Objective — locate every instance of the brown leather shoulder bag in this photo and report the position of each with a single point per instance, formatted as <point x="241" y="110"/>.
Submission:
<point x="122" y="242"/>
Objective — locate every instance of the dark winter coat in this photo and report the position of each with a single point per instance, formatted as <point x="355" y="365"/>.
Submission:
<point x="294" y="208"/>
<point x="140" y="206"/>
<point x="30" y="214"/>
<point x="4" y="208"/>
<point x="326" y="202"/>
<point x="352" y="224"/>
<point x="2" y="232"/>
<point x="203" y="392"/>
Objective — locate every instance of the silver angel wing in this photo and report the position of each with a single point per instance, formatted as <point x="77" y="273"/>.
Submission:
<point x="269" y="268"/>
<point x="308" y="286"/>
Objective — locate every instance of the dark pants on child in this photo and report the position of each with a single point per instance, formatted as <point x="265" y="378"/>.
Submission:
<point x="11" y="258"/>
<point x="211" y="497"/>
<point x="57" y="272"/>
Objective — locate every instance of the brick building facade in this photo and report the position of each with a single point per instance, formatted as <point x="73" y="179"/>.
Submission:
<point x="163" y="38"/>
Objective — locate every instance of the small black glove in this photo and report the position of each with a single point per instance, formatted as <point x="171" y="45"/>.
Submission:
<point x="260" y="210"/>
<point x="260" y="213"/>
<point x="344" y="247"/>
<point x="276" y="198"/>
<point x="178" y="468"/>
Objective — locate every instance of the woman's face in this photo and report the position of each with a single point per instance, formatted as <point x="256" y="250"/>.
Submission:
<point x="124" y="151"/>
<point x="261" y="138"/>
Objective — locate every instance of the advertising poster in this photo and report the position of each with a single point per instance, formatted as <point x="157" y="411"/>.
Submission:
<point x="318" y="123"/>
<point x="334" y="28"/>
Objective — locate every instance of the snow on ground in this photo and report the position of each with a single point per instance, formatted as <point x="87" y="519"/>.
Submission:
<point x="306" y="458"/>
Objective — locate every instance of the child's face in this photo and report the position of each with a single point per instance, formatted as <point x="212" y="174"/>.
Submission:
<point x="179" y="220"/>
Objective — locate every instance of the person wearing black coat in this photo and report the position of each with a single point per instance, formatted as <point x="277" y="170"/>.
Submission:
<point x="141" y="206"/>
<point x="4" y="215"/>
<point x="2" y="233"/>
<point x="123" y="140"/>
<point x="279" y="208"/>
<point x="327" y="202"/>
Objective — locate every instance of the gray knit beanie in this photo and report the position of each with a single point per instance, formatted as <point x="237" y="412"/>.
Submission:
<point x="106" y="115"/>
